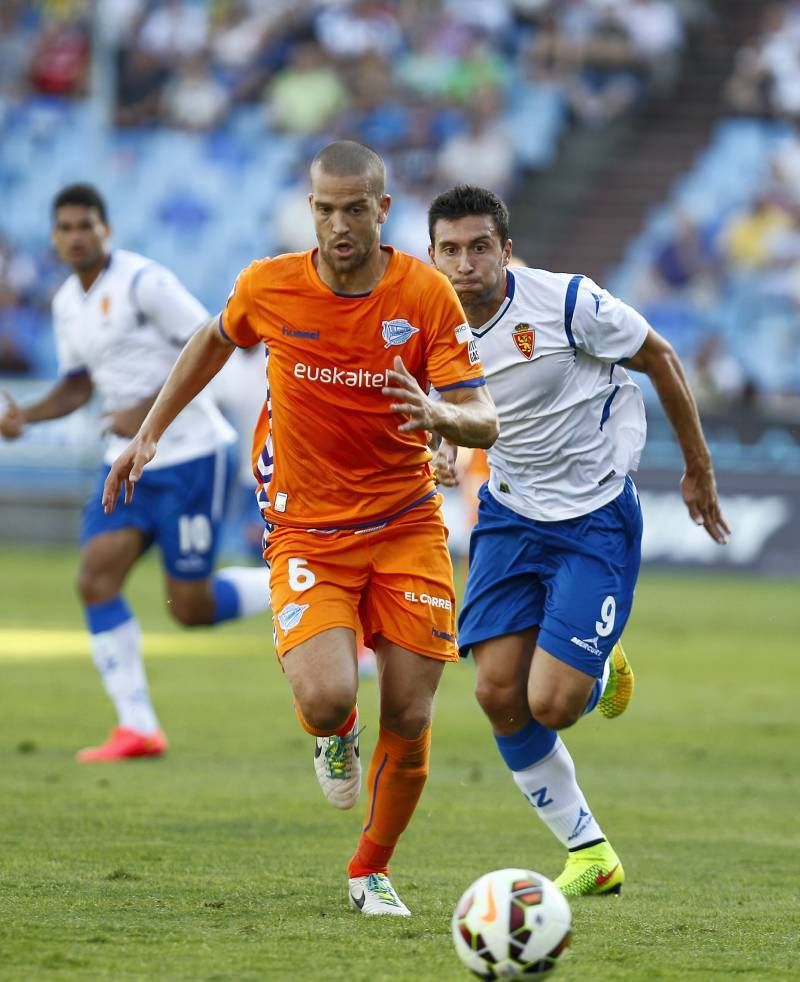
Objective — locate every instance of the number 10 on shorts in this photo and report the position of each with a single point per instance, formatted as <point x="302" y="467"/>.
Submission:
<point x="300" y="576"/>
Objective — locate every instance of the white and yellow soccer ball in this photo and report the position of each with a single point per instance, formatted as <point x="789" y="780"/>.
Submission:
<point x="510" y="923"/>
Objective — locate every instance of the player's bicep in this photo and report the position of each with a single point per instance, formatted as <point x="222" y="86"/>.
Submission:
<point x="652" y="352"/>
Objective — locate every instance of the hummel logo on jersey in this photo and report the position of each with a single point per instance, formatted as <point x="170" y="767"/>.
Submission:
<point x="293" y="332"/>
<point x="525" y="339"/>
<point x="397" y="331"/>
<point x="291" y="615"/>
<point x="588" y="644"/>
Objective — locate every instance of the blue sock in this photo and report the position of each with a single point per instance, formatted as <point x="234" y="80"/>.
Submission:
<point x="226" y="600"/>
<point x="594" y="696"/>
<point x="526" y="746"/>
<point x="107" y="615"/>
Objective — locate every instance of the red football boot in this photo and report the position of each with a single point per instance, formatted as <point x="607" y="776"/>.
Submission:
<point x="125" y="743"/>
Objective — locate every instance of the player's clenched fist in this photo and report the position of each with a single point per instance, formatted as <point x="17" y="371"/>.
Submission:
<point x="126" y="470"/>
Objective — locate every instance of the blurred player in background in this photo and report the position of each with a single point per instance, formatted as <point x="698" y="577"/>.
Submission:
<point x="355" y="332"/>
<point x="555" y="553"/>
<point x="120" y="321"/>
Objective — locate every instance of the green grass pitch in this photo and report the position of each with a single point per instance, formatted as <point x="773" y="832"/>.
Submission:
<point x="223" y="862"/>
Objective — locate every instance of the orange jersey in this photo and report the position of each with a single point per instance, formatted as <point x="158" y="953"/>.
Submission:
<point x="327" y="452"/>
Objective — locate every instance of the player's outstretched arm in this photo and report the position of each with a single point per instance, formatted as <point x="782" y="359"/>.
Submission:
<point x="657" y="359"/>
<point x="67" y="395"/>
<point x="465" y="415"/>
<point x="204" y="355"/>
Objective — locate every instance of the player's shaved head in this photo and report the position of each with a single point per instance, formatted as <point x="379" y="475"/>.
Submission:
<point x="346" y="158"/>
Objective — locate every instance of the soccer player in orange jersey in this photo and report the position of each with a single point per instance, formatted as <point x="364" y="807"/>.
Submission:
<point x="356" y="333"/>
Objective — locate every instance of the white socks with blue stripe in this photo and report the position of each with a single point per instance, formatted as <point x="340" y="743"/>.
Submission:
<point x="550" y="786"/>
<point x="117" y="653"/>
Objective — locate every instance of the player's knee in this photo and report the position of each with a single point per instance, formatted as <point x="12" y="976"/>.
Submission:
<point x="327" y="716"/>
<point x="192" y="608"/>
<point x="326" y="707"/>
<point x="502" y="703"/>
<point x="95" y="588"/>
<point x="408" y="722"/>
<point x="554" y="711"/>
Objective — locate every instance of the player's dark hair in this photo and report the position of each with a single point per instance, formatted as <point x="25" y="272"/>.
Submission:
<point x="81" y="194"/>
<point x="468" y="199"/>
<point x="346" y="158"/>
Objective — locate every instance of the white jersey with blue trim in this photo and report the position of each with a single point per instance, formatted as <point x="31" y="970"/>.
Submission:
<point x="572" y="421"/>
<point x="126" y="331"/>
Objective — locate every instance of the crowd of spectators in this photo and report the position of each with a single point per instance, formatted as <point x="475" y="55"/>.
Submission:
<point x="439" y="87"/>
<point x="722" y="274"/>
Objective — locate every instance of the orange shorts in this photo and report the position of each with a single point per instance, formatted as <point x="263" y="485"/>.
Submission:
<point x="396" y="580"/>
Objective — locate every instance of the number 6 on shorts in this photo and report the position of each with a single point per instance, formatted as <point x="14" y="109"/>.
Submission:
<point x="300" y="576"/>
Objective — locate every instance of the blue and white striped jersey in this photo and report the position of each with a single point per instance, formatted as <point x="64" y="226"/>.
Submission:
<point x="572" y="421"/>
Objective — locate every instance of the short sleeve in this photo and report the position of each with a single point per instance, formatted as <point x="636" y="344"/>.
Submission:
<point x="451" y="351"/>
<point x="236" y="320"/>
<point x="161" y="297"/>
<point x="601" y="325"/>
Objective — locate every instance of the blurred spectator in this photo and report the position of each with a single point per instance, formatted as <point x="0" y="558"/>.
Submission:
<point x="688" y="259"/>
<point x="304" y="97"/>
<point x="483" y="154"/>
<point x="175" y="29"/>
<point x="141" y="78"/>
<point x="750" y="238"/>
<point x="766" y="77"/>
<point x="59" y="63"/>
<point x="715" y="377"/>
<point x="610" y="79"/>
<point x="17" y="33"/>
<point x="193" y="98"/>
<point x="362" y="26"/>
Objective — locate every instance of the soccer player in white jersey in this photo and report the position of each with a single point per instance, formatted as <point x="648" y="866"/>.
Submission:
<point x="555" y="552"/>
<point x="120" y="321"/>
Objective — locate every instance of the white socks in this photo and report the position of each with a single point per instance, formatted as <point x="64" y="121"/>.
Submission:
<point x="117" y="653"/>
<point x="251" y="584"/>
<point x="550" y="786"/>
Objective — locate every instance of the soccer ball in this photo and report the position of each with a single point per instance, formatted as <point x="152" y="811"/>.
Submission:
<point x="511" y="922"/>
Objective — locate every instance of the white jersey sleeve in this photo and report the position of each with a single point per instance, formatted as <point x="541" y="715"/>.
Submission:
<point x="604" y="326"/>
<point x="159" y="295"/>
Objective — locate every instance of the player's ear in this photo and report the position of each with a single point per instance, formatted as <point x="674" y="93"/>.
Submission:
<point x="506" y="255"/>
<point x="383" y="208"/>
<point x="431" y="255"/>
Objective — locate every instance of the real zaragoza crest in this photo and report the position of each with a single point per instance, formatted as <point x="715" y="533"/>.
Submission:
<point x="524" y="338"/>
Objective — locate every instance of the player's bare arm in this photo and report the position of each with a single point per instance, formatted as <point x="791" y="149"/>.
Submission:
<point x="465" y="416"/>
<point x="126" y="422"/>
<point x="657" y="359"/>
<point x="201" y="359"/>
<point x="69" y="394"/>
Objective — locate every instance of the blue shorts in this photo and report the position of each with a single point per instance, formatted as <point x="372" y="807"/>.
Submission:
<point x="573" y="579"/>
<point x="179" y="507"/>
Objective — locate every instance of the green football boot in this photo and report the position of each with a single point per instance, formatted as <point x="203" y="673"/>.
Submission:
<point x="592" y="871"/>
<point x="619" y="687"/>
